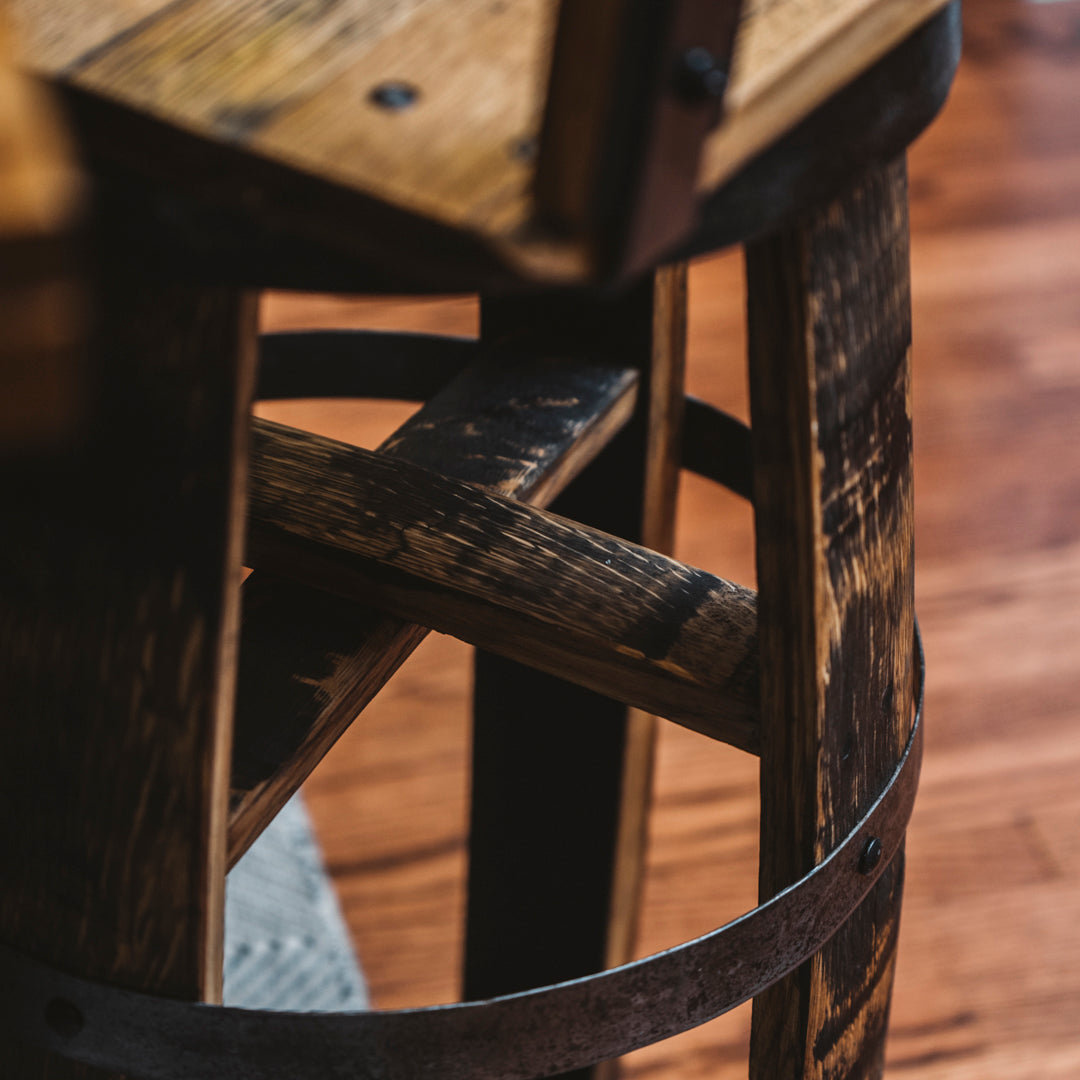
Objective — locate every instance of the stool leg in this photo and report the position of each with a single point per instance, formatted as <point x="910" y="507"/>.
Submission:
<point x="562" y="776"/>
<point x="829" y="320"/>
<point x="118" y="621"/>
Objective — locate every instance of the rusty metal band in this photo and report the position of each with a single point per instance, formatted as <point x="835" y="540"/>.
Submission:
<point x="520" y="1036"/>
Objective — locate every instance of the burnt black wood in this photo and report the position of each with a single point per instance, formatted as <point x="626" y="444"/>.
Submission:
<point x="309" y="663"/>
<point x="548" y="757"/>
<point x="625" y="123"/>
<point x="117" y="617"/>
<point x="300" y="232"/>
<point x="830" y="346"/>
<point x="228" y="216"/>
<point x="570" y="599"/>
<point x="359" y="363"/>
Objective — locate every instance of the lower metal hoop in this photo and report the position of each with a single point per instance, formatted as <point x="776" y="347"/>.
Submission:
<point x="517" y="1037"/>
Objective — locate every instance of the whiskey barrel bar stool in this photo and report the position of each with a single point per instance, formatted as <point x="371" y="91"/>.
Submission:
<point x="152" y="730"/>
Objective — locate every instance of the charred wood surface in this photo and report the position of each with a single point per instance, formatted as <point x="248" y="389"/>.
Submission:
<point x="612" y="615"/>
<point x="830" y="340"/>
<point x="310" y="662"/>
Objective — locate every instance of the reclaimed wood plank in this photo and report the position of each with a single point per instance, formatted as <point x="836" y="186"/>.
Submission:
<point x="118" y="631"/>
<point x="790" y="56"/>
<point x="830" y="339"/>
<point x="274" y="81"/>
<point x="613" y="616"/>
<point x="57" y="34"/>
<point x="562" y="776"/>
<point x="524" y="425"/>
<point x="294" y="86"/>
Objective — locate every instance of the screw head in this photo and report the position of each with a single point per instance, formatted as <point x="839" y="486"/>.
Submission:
<point x="871" y="855"/>
<point x="699" y="76"/>
<point x="394" y="95"/>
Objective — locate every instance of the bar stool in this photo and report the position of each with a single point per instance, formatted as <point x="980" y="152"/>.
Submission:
<point x="154" y="727"/>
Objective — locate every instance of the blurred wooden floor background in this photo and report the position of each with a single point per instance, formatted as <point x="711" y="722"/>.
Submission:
<point x="989" y="975"/>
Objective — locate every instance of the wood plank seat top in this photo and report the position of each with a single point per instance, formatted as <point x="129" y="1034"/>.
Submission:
<point x="294" y="85"/>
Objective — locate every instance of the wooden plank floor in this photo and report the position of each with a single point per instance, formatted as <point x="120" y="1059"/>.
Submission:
<point x="989" y="976"/>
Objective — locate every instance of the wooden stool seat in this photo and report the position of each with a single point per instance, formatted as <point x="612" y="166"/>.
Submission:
<point x="418" y="128"/>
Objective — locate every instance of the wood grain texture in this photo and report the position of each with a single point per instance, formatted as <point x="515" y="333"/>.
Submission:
<point x="518" y="423"/>
<point x="830" y="337"/>
<point x="291" y="84"/>
<point x="987" y="984"/>
<point x="120" y="586"/>
<point x="659" y="497"/>
<point x="869" y="121"/>
<point x="613" y="616"/>
<point x="623" y="134"/>
<point x="562" y="776"/>
<point x="280" y="81"/>
<point x="790" y="55"/>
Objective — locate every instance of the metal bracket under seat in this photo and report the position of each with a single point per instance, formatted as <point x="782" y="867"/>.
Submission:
<point x="516" y="1037"/>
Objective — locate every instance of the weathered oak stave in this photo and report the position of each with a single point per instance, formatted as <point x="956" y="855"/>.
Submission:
<point x="311" y="662"/>
<point x="613" y="616"/>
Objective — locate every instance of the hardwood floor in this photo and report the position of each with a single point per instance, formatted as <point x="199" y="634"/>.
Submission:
<point x="989" y="974"/>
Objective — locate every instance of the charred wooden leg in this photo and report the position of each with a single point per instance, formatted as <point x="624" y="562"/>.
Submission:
<point x="559" y="804"/>
<point x="830" y="336"/>
<point x="119" y="588"/>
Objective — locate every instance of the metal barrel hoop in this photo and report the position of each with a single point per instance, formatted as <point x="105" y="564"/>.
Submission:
<point x="519" y="1036"/>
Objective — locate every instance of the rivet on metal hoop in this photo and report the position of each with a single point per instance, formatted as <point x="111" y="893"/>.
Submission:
<point x="871" y="855"/>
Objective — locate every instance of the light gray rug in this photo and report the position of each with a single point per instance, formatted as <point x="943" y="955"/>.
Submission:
<point x="286" y="944"/>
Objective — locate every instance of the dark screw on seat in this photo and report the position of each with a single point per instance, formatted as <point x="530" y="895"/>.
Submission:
<point x="394" y="95"/>
<point x="699" y="76"/>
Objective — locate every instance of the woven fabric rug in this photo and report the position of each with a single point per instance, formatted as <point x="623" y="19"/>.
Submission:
<point x="286" y="944"/>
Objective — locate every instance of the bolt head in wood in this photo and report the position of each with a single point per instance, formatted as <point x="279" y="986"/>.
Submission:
<point x="394" y="95"/>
